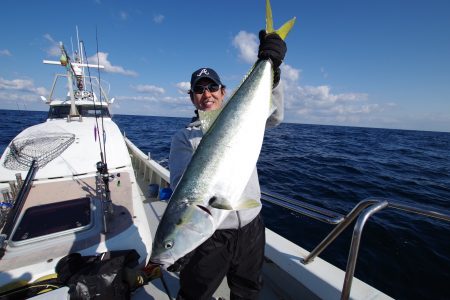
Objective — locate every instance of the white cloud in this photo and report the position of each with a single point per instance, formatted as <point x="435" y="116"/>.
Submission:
<point x="19" y="90"/>
<point x="23" y="85"/>
<point x="158" y="19"/>
<point x="319" y="104"/>
<point x="183" y="87"/>
<point x="289" y="73"/>
<point x="54" y="49"/>
<point x="321" y="96"/>
<point x="247" y="45"/>
<point x="315" y="104"/>
<point x="137" y="98"/>
<point x="149" y="89"/>
<point x="177" y="101"/>
<point x="170" y="100"/>
<point x="103" y="60"/>
<point x="5" y="52"/>
<point x="8" y="97"/>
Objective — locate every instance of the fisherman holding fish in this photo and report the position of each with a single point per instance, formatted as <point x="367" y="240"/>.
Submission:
<point x="236" y="248"/>
<point x="211" y="227"/>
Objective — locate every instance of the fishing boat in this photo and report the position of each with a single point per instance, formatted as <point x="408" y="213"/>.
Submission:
<point x="68" y="185"/>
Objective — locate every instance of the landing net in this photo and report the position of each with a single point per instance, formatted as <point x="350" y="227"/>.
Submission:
<point x="43" y="148"/>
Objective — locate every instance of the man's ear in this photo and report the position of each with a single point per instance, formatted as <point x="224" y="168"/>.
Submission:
<point x="223" y="91"/>
<point x="191" y="95"/>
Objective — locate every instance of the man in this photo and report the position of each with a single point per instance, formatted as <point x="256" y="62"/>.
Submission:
<point x="236" y="249"/>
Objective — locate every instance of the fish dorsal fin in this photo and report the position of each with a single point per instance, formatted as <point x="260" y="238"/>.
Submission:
<point x="222" y="203"/>
<point x="207" y="118"/>
<point x="283" y="30"/>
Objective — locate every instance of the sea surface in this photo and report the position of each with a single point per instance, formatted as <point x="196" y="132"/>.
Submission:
<point x="404" y="255"/>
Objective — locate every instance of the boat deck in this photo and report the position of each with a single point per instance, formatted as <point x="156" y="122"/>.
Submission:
<point x="57" y="191"/>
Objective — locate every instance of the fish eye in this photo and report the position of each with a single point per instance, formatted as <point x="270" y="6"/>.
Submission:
<point x="168" y="244"/>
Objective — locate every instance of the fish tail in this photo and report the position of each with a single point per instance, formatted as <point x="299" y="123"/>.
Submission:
<point x="283" y="30"/>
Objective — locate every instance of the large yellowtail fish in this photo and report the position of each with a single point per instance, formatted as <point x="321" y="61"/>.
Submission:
<point x="219" y="170"/>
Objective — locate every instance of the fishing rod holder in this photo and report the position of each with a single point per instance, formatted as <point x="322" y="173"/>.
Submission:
<point x="363" y="211"/>
<point x="107" y="205"/>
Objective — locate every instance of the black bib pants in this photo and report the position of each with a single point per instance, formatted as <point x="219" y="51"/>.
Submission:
<point x="237" y="254"/>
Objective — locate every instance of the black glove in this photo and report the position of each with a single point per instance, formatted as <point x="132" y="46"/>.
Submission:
<point x="273" y="47"/>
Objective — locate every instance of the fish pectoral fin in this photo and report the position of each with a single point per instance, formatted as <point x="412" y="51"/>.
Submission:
<point x="283" y="30"/>
<point x="243" y="203"/>
<point x="207" y="118"/>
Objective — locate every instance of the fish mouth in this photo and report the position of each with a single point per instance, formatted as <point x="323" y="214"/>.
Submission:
<point x="161" y="263"/>
<point x="155" y="263"/>
<point x="162" y="259"/>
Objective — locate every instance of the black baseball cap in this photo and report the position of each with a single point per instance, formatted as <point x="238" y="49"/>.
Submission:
<point x="205" y="73"/>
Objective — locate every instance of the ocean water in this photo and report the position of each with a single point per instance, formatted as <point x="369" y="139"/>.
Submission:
<point x="404" y="255"/>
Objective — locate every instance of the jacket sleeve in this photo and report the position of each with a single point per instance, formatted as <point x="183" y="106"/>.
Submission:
<point x="180" y="155"/>
<point x="278" y="103"/>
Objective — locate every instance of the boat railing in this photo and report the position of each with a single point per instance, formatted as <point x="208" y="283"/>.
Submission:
<point x="92" y="84"/>
<point x="312" y="211"/>
<point x="363" y="211"/>
<point x="146" y="169"/>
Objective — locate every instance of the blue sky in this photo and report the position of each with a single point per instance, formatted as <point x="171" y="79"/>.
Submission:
<point x="357" y="63"/>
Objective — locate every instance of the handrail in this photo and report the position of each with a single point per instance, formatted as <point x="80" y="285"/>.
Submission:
<point x="421" y="210"/>
<point x="354" y="246"/>
<point x="315" y="212"/>
<point x="338" y="230"/>
<point x="363" y="210"/>
<point x="158" y="169"/>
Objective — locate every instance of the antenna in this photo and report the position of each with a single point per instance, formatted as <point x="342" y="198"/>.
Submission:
<point x="71" y="43"/>
<point x="78" y="41"/>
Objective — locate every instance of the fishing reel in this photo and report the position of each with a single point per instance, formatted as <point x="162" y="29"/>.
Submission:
<point x="102" y="170"/>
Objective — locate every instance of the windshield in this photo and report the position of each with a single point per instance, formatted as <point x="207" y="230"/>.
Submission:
<point x="62" y="111"/>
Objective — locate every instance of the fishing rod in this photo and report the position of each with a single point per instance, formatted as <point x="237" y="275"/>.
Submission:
<point x="95" y="108"/>
<point x="100" y="93"/>
<point x="102" y="166"/>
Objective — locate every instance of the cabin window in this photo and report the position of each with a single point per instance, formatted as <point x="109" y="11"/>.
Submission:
<point x="51" y="218"/>
<point x="62" y="111"/>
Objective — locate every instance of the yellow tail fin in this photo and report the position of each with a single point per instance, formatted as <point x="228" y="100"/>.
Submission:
<point x="283" y="30"/>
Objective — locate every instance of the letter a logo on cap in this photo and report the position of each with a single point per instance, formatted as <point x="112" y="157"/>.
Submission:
<point x="203" y="71"/>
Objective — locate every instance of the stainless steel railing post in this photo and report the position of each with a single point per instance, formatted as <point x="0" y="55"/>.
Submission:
<point x="354" y="247"/>
<point x="337" y="230"/>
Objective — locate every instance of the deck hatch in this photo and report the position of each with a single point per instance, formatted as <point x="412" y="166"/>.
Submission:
<point x="51" y="218"/>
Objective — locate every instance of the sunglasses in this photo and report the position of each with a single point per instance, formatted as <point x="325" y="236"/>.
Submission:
<point x="200" y="89"/>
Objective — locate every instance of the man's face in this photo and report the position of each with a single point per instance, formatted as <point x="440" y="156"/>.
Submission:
<point x="208" y="99"/>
